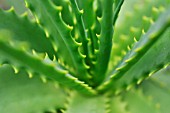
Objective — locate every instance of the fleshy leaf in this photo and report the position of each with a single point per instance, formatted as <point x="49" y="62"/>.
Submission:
<point x="82" y="104"/>
<point x="157" y="89"/>
<point x="137" y="103"/>
<point x="129" y="70"/>
<point x="49" y="16"/>
<point x="117" y="105"/>
<point x="105" y="41"/>
<point x="22" y="29"/>
<point x="21" y="94"/>
<point x="21" y="58"/>
<point x="140" y="15"/>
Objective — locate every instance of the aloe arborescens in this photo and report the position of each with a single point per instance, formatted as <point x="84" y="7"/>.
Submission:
<point x="85" y="56"/>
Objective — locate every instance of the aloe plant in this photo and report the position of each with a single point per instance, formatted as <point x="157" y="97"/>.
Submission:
<point x="85" y="56"/>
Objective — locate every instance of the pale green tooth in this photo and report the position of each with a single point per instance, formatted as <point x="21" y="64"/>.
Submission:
<point x="151" y="73"/>
<point x="24" y="15"/>
<point x="12" y="10"/>
<point x="123" y="52"/>
<point x="143" y="31"/>
<point x="155" y="9"/>
<point x="151" y="21"/>
<point x="119" y="68"/>
<point x="44" y="79"/>
<point x="74" y="20"/>
<point x="133" y="29"/>
<point x="145" y="18"/>
<point x="26" y="4"/>
<point x="128" y="47"/>
<point x="54" y="58"/>
<point x="46" y="33"/>
<point x="98" y="36"/>
<point x="135" y="40"/>
<point x="140" y="80"/>
<point x="30" y="75"/>
<point x="85" y="65"/>
<point x="36" y="19"/>
<point x="129" y="87"/>
<point x="33" y="52"/>
<point x="16" y="70"/>
<point x="99" y="19"/>
<point x="96" y="51"/>
<point x="70" y="27"/>
<point x="117" y="92"/>
<point x="81" y="11"/>
<point x="77" y="43"/>
<point x="166" y="65"/>
<point x="130" y="59"/>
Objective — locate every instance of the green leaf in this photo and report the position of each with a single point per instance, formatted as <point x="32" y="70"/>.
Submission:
<point x="18" y="5"/>
<point x="66" y="12"/>
<point x="80" y="25"/>
<point x="117" y="105"/>
<point x="49" y="16"/>
<point x="118" y="5"/>
<point x="21" y="94"/>
<point x="140" y="14"/>
<point x="138" y="103"/>
<point x="21" y="29"/>
<point x="83" y="104"/>
<point x="105" y="39"/>
<point x="129" y="70"/>
<point x="20" y="58"/>
<point x="157" y="89"/>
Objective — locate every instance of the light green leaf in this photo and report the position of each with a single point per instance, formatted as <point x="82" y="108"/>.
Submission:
<point x="49" y="16"/>
<point x="21" y="94"/>
<point x="22" y="29"/>
<point x="20" y="58"/>
<point x="82" y="104"/>
<point x="135" y="18"/>
<point x="129" y="70"/>
<point x="138" y="103"/>
<point x="157" y="89"/>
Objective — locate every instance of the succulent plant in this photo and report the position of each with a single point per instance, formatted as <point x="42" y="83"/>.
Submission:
<point x="85" y="56"/>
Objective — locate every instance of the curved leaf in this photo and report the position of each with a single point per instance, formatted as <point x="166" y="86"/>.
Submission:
<point x="157" y="89"/>
<point x="21" y="58"/>
<point x="21" y="29"/>
<point x="129" y="70"/>
<point x="49" y="16"/>
<point x="82" y="104"/>
<point x="21" y="94"/>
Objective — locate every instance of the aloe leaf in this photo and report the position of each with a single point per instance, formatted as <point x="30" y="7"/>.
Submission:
<point x="157" y="89"/>
<point x="105" y="39"/>
<point x="118" y="5"/>
<point x="26" y="32"/>
<point x="138" y="103"/>
<point x="90" y="19"/>
<point x="140" y="15"/>
<point x="152" y="94"/>
<point x="88" y="12"/>
<point x="66" y="11"/>
<point x="21" y="58"/>
<point x="49" y="16"/>
<point x="117" y="105"/>
<point x="18" y="5"/>
<point x="143" y="51"/>
<point x="19" y="93"/>
<point x="80" y="25"/>
<point x="82" y="104"/>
